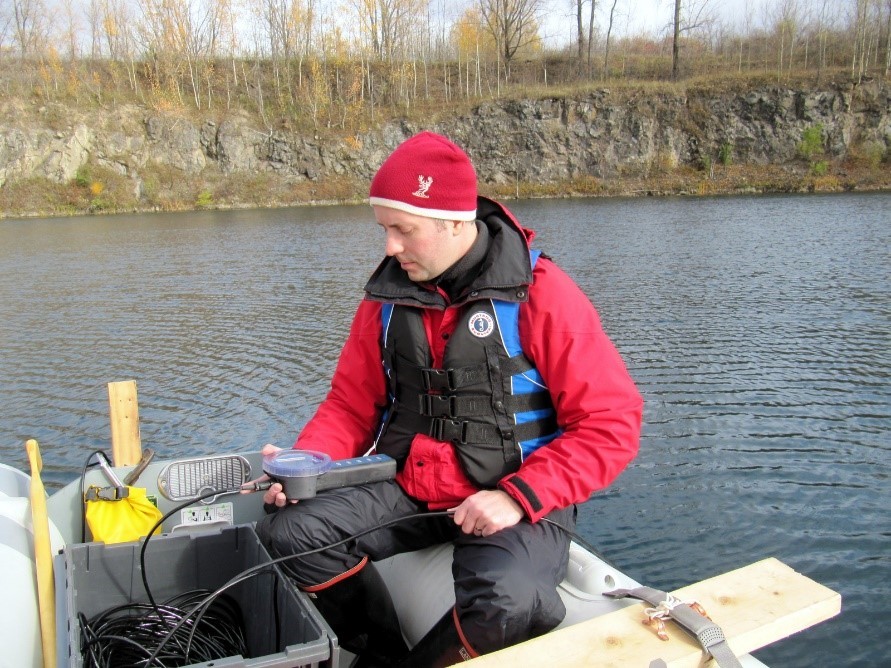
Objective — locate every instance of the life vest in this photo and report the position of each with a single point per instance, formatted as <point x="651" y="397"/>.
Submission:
<point x="488" y="400"/>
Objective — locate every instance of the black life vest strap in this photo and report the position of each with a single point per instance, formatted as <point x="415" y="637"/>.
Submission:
<point x="467" y="431"/>
<point x="466" y="406"/>
<point x="449" y="380"/>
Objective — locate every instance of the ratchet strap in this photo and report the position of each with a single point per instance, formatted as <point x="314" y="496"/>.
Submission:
<point x="709" y="634"/>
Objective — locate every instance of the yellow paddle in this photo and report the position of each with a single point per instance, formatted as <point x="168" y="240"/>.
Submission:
<point x="43" y="557"/>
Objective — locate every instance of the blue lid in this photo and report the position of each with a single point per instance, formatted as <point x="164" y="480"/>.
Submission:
<point x="296" y="463"/>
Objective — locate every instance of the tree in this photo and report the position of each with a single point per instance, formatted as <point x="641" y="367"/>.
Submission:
<point x="609" y="30"/>
<point x="31" y="23"/>
<point x="676" y="41"/>
<point x="582" y="39"/>
<point x="387" y="24"/>
<point x="693" y="16"/>
<point x="181" y="36"/>
<point x="513" y="24"/>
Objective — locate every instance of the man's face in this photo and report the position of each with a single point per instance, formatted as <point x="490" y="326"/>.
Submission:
<point x="424" y="247"/>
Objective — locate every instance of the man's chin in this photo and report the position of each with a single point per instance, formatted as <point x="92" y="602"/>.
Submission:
<point x="415" y="273"/>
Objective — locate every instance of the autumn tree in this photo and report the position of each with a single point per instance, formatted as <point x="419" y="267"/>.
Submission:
<point x="181" y="38"/>
<point x="387" y="25"/>
<point x="289" y="26"/>
<point x="513" y="25"/>
<point x="473" y="44"/>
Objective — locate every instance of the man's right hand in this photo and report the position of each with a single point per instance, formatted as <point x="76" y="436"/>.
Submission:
<point x="275" y="495"/>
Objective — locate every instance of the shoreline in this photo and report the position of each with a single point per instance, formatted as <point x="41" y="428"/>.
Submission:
<point x="722" y="180"/>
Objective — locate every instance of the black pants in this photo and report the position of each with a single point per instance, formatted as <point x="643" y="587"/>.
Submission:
<point x="505" y="584"/>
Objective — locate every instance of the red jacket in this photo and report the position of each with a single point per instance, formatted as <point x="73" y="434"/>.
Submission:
<point x="598" y="407"/>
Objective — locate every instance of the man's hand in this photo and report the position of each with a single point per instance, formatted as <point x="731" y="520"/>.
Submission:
<point x="275" y="495"/>
<point x="486" y="512"/>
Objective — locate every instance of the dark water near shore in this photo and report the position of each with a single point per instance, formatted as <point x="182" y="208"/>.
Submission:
<point x="757" y="328"/>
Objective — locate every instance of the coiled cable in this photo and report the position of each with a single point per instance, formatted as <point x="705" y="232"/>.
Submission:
<point x="197" y="626"/>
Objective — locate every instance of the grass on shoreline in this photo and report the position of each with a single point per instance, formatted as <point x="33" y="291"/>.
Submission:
<point x="102" y="191"/>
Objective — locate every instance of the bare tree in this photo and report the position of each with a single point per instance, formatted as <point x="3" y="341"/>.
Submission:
<point x="676" y="41"/>
<point x="591" y="32"/>
<point x="181" y="38"/>
<point x="31" y="24"/>
<point x="513" y="24"/>
<point x="609" y="30"/>
<point x="71" y="27"/>
<point x="387" y="24"/>
<point x="888" y="38"/>
<point x="693" y="16"/>
<point x="584" y="41"/>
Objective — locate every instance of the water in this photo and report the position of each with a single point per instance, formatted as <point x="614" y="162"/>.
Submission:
<point x="757" y="329"/>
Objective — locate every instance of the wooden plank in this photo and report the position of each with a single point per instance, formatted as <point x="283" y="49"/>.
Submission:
<point x="126" y="446"/>
<point x="754" y="605"/>
<point x="43" y="557"/>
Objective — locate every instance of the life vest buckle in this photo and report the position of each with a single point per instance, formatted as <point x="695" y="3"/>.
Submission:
<point x="437" y="405"/>
<point x="448" y="430"/>
<point x="439" y="379"/>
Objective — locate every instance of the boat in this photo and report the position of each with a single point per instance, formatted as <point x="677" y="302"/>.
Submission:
<point x="207" y="542"/>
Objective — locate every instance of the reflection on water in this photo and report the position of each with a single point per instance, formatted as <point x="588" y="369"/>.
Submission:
<point x="757" y="329"/>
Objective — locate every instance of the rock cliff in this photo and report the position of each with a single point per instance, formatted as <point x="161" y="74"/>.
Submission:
<point x="602" y="134"/>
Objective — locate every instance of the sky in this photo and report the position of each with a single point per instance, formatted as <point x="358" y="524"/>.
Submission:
<point x="643" y="16"/>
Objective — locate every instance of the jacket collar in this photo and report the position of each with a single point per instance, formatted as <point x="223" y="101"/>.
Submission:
<point x="504" y="274"/>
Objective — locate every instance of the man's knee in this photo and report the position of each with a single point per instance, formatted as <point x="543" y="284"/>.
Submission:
<point x="511" y="609"/>
<point x="290" y="532"/>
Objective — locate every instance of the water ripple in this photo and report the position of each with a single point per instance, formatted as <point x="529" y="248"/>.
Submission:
<point x="757" y="329"/>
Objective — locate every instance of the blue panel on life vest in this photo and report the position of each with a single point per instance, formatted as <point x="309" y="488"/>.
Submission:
<point x="386" y="315"/>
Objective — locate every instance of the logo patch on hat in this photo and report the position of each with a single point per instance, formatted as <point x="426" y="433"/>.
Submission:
<point x="424" y="183"/>
<point x="481" y="324"/>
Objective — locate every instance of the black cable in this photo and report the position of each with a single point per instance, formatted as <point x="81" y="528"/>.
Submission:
<point x="258" y="568"/>
<point x="126" y="635"/>
<point x="581" y="541"/>
<point x="200" y="609"/>
<point x="160" y="522"/>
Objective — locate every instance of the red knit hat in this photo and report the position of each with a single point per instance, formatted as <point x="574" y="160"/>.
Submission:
<point x="427" y="175"/>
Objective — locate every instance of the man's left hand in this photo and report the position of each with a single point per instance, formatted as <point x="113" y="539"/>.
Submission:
<point x="487" y="512"/>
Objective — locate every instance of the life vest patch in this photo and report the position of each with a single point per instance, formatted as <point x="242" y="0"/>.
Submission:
<point x="481" y="324"/>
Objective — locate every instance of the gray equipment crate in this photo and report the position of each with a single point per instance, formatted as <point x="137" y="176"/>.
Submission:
<point x="99" y="577"/>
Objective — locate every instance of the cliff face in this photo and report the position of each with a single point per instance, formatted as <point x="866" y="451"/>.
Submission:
<point x="601" y="134"/>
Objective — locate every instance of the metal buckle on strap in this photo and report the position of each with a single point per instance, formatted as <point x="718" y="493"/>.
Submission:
<point x="437" y="405"/>
<point x="448" y="430"/>
<point x="106" y="493"/>
<point x="438" y="379"/>
<point x="710" y="636"/>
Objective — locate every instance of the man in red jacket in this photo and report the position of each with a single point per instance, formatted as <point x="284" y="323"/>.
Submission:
<point x="483" y="369"/>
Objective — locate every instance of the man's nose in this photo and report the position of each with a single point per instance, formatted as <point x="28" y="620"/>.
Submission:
<point x="394" y="246"/>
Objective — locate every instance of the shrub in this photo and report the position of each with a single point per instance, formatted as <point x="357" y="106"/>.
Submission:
<point x="811" y="144"/>
<point x="82" y="176"/>
<point x="204" y="199"/>
<point x="725" y="153"/>
<point x="820" y="168"/>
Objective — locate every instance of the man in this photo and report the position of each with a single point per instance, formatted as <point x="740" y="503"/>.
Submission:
<point x="484" y="371"/>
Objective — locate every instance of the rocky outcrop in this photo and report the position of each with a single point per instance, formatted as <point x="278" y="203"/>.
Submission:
<point x="550" y="140"/>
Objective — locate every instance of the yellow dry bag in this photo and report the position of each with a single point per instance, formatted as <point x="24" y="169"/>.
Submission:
<point x="116" y="517"/>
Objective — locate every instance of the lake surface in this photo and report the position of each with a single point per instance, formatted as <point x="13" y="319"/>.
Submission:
<point x="757" y="328"/>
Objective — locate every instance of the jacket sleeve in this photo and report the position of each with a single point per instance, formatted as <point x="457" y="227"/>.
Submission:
<point x="345" y="423"/>
<point x="598" y="406"/>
